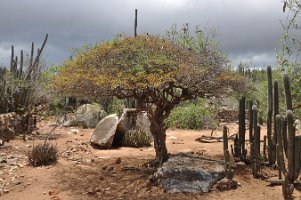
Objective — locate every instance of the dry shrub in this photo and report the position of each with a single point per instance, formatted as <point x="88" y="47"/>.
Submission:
<point x="136" y="138"/>
<point x="43" y="154"/>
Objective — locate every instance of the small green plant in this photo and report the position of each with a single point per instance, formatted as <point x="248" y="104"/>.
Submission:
<point x="43" y="154"/>
<point x="192" y="116"/>
<point x="136" y="138"/>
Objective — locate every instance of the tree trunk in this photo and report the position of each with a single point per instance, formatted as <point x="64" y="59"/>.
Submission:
<point x="159" y="133"/>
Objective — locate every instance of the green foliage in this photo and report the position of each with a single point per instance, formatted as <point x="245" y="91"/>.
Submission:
<point x="201" y="40"/>
<point x="136" y="138"/>
<point x="193" y="116"/>
<point x="115" y="106"/>
<point x="43" y="154"/>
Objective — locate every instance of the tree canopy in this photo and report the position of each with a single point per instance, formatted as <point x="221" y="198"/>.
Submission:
<point x="143" y="67"/>
<point x="156" y="72"/>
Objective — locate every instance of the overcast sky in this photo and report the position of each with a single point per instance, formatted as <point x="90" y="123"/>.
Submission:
<point x="249" y="29"/>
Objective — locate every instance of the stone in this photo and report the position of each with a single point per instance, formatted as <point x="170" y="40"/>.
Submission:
<point x="68" y="120"/>
<point x="74" y="131"/>
<point x="189" y="173"/>
<point x="226" y="184"/>
<point x="104" y="132"/>
<point x="131" y="119"/>
<point x="88" y="115"/>
<point x="172" y="138"/>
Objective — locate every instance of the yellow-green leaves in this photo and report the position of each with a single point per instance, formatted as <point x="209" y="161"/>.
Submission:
<point x="131" y="64"/>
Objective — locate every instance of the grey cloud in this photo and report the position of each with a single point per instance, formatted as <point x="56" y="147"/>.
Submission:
<point x="248" y="28"/>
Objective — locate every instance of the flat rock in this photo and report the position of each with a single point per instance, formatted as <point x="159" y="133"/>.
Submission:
<point x="189" y="173"/>
<point x="104" y="132"/>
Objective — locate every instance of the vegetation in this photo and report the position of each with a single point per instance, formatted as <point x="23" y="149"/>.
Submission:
<point x="158" y="73"/>
<point x="192" y="116"/>
<point x="43" y="154"/>
<point x="136" y="138"/>
<point x="20" y="86"/>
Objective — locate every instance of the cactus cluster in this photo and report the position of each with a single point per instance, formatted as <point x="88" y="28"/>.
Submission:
<point x="288" y="144"/>
<point x="18" y="85"/>
<point x="292" y="169"/>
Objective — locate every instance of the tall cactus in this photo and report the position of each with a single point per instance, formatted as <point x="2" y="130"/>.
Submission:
<point x="242" y="127"/>
<point x="251" y="135"/>
<point x="276" y="112"/>
<point x="225" y="138"/>
<point x="292" y="171"/>
<point x="228" y="169"/>
<point x="256" y="144"/>
<point x="271" y="145"/>
<point x="284" y="133"/>
<point x="287" y="92"/>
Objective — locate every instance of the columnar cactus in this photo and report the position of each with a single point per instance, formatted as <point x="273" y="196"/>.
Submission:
<point x="225" y="138"/>
<point x="287" y="91"/>
<point x="292" y="171"/>
<point x="293" y="146"/>
<point x="251" y="135"/>
<point x="271" y="149"/>
<point x="284" y="133"/>
<point x="276" y="112"/>
<point x="265" y="147"/>
<point x="242" y="127"/>
<point x="228" y="169"/>
<point x="256" y="144"/>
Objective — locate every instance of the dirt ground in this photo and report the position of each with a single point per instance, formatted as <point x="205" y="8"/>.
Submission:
<point x="83" y="172"/>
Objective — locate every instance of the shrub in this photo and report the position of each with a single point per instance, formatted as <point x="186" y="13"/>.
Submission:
<point x="43" y="154"/>
<point x="136" y="138"/>
<point x="115" y="106"/>
<point x="192" y="116"/>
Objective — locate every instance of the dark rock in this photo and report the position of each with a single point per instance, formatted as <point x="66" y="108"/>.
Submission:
<point x="189" y="173"/>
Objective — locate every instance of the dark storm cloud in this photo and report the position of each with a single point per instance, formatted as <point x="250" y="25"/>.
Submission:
<point x="250" y="30"/>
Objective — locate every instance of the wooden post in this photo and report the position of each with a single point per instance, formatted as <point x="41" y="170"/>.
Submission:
<point x="135" y="23"/>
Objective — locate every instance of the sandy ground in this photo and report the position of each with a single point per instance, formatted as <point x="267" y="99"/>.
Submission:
<point x="83" y="172"/>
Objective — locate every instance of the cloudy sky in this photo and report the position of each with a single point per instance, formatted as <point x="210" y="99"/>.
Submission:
<point x="249" y="29"/>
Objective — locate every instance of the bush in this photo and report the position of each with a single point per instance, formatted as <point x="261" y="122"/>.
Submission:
<point x="136" y="138"/>
<point x="192" y="116"/>
<point x="115" y="106"/>
<point x="43" y="154"/>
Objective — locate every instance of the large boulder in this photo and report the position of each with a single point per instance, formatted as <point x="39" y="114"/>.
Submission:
<point x="132" y="119"/>
<point x="104" y="132"/>
<point x="189" y="173"/>
<point x="88" y="115"/>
